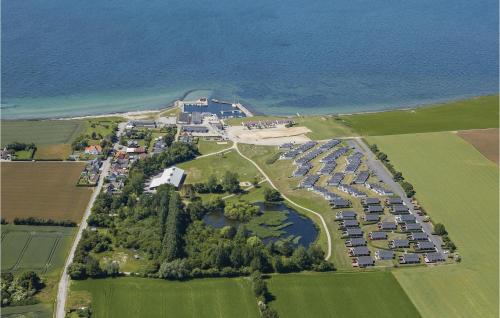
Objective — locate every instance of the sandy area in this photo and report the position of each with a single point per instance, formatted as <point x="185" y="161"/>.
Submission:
<point x="484" y="140"/>
<point x="270" y="136"/>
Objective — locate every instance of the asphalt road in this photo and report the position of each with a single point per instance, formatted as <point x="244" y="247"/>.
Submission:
<point x="377" y="167"/>
<point x="62" y="289"/>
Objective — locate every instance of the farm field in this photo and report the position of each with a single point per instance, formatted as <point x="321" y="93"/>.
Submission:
<point x="199" y="170"/>
<point x="43" y="189"/>
<point x="39" y="248"/>
<point x="40" y="132"/>
<point x="458" y="187"/>
<point x="484" y="140"/>
<point x="368" y="294"/>
<point x="140" y="297"/>
<point x="480" y="112"/>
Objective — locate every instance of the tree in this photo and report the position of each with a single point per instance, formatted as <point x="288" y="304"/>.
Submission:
<point x="77" y="271"/>
<point x="408" y="188"/>
<point x="272" y="195"/>
<point x="112" y="269"/>
<point x="93" y="269"/>
<point x="440" y="229"/>
<point x="30" y="281"/>
<point x="398" y="176"/>
<point x="301" y="258"/>
<point x="172" y="241"/>
<point x="230" y="182"/>
<point x="212" y="184"/>
<point x="240" y="210"/>
<point x="176" y="269"/>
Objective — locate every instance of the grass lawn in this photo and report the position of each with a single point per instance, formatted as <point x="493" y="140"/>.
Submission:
<point x="40" y="132"/>
<point x="370" y="294"/>
<point x="200" y="169"/>
<point x="458" y="187"/>
<point x="55" y="151"/>
<point x="480" y="112"/>
<point x="142" y="297"/>
<point x="209" y="146"/>
<point x="43" y="189"/>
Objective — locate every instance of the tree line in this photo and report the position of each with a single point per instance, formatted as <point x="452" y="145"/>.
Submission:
<point x="43" y="221"/>
<point x="396" y="175"/>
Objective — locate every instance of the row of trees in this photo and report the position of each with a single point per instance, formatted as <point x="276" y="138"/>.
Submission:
<point x="261" y="292"/>
<point x="397" y="175"/>
<point x="20" y="146"/>
<point x="42" y="221"/>
<point x="440" y="229"/>
<point x="19" y="290"/>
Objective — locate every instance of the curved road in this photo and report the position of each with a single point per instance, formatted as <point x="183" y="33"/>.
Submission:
<point x="329" y="239"/>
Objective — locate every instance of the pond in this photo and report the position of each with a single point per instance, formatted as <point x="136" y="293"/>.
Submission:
<point x="276" y="222"/>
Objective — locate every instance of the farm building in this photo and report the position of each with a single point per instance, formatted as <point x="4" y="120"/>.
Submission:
<point x="172" y="175"/>
<point x="384" y="255"/>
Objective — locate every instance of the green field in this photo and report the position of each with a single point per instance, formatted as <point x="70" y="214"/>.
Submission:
<point x="370" y="294"/>
<point x="40" y="132"/>
<point x="458" y="187"/>
<point x="480" y="112"/>
<point x="209" y="146"/>
<point x="31" y="311"/>
<point x="142" y="297"/>
<point x="200" y="169"/>
<point x="39" y="248"/>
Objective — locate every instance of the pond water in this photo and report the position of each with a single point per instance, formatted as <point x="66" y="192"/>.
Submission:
<point x="276" y="222"/>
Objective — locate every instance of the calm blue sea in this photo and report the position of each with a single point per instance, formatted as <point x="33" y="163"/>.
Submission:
<point x="74" y="57"/>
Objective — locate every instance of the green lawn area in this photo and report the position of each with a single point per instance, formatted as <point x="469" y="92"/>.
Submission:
<point x="370" y="294"/>
<point x="209" y="146"/>
<point x="200" y="169"/>
<point x="143" y="297"/>
<point x="480" y="112"/>
<point x="40" y="132"/>
<point x="458" y="187"/>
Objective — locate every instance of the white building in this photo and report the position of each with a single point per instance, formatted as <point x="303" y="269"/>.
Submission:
<point x="172" y="175"/>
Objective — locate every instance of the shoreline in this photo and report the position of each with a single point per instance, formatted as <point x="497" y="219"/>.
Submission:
<point x="138" y="113"/>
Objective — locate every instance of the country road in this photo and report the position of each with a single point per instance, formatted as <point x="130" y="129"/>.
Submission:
<point x="329" y="239"/>
<point x="62" y="289"/>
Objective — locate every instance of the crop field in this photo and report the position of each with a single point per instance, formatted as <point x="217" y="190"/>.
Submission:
<point x="40" y="132"/>
<point x="43" y="189"/>
<point x="458" y="187"/>
<point x="140" y="297"/>
<point x="370" y="294"/>
<point x="38" y="248"/>
<point x="484" y="140"/>
<point x="480" y="112"/>
<point x="200" y="169"/>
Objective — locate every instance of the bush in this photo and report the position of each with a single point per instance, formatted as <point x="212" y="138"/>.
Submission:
<point x="439" y="229"/>
<point x="272" y="195"/>
<point x="240" y="210"/>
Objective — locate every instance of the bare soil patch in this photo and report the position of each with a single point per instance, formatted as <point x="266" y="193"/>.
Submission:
<point x="484" y="140"/>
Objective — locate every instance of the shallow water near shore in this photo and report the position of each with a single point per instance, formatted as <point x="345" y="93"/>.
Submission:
<point x="67" y="58"/>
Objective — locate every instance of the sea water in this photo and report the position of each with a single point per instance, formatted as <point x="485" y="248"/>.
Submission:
<point x="72" y="57"/>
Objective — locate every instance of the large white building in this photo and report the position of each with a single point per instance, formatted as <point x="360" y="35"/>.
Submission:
<point x="172" y="175"/>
